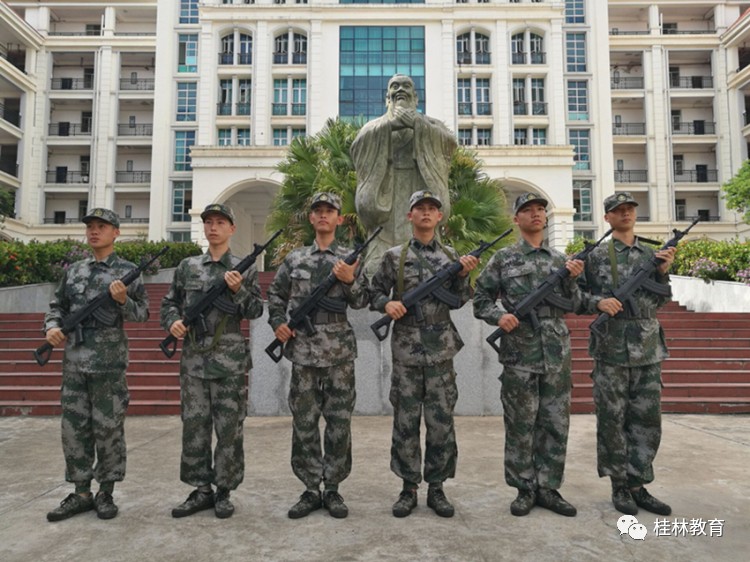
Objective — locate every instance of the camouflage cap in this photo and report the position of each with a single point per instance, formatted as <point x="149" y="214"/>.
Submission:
<point x="617" y="199"/>
<point x="526" y="198"/>
<point x="328" y="198"/>
<point x="219" y="209"/>
<point x="424" y="195"/>
<point x="104" y="215"/>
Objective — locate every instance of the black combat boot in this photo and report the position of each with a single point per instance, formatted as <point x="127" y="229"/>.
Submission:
<point x="438" y="502"/>
<point x="552" y="500"/>
<point x="523" y="503"/>
<point x="198" y="500"/>
<point x="623" y="499"/>
<point x="105" y="505"/>
<point x="70" y="506"/>
<point x="222" y="506"/>
<point x="335" y="505"/>
<point x="650" y="503"/>
<point x="308" y="502"/>
<point x="406" y="502"/>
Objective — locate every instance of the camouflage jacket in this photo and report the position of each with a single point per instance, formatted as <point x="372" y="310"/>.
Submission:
<point x="304" y="269"/>
<point x="212" y="356"/>
<point x="104" y="348"/>
<point x="629" y="342"/>
<point x="437" y="339"/>
<point x="512" y="274"/>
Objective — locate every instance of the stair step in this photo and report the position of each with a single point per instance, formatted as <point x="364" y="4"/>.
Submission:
<point x="52" y="393"/>
<point x="46" y="408"/>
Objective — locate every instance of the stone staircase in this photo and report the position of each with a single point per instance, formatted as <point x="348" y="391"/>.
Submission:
<point x="708" y="371"/>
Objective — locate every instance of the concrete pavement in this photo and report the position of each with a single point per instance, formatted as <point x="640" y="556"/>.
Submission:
<point x="701" y="471"/>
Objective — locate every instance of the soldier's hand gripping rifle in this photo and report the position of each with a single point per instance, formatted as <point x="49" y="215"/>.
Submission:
<point x="544" y="293"/>
<point x="73" y="322"/>
<point x="433" y="286"/>
<point x="214" y="297"/>
<point x="317" y="299"/>
<point x="641" y="279"/>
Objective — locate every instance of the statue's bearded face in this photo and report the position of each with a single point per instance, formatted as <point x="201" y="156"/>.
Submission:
<point x="401" y="92"/>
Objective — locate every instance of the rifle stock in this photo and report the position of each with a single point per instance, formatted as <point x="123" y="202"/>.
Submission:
<point x="194" y="314"/>
<point x="300" y="316"/>
<point x="43" y="353"/>
<point x="433" y="285"/>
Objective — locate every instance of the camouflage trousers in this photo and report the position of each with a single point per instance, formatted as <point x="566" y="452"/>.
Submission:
<point x="328" y="391"/>
<point x="628" y="421"/>
<point x="93" y="425"/>
<point x="431" y="388"/>
<point x="536" y="411"/>
<point x="209" y="405"/>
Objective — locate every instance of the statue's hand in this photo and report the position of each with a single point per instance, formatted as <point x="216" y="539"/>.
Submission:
<point x="406" y="115"/>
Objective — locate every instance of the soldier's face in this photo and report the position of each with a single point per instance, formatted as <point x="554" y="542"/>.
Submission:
<point x="425" y="216"/>
<point x="100" y="234"/>
<point x="531" y="218"/>
<point x="218" y="229"/>
<point x="325" y="218"/>
<point x="622" y="217"/>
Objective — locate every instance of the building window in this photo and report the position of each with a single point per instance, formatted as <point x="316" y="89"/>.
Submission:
<point x="369" y="56"/>
<point x="519" y="137"/>
<point x="480" y="92"/>
<point x="243" y="137"/>
<point x="464" y="137"/>
<point x="574" y="11"/>
<point x="536" y="49"/>
<point x="225" y="97"/>
<point x="179" y="236"/>
<point x="578" y="100"/>
<point x="298" y="133"/>
<point x="519" y="97"/>
<point x="244" y="96"/>
<point x="187" y="53"/>
<point x="188" y="11"/>
<point x="187" y="95"/>
<point x="299" y="96"/>
<point x="582" y="200"/>
<point x="183" y="141"/>
<point x="381" y="1"/>
<point x="280" y="96"/>
<point x="538" y="105"/>
<point x="225" y="137"/>
<point x="484" y="137"/>
<point x="463" y="95"/>
<point x="182" y="200"/>
<point x="246" y="49"/>
<point x="575" y="48"/>
<point x="539" y="136"/>
<point x="280" y="137"/>
<point x="481" y="54"/>
<point x="281" y="54"/>
<point x="484" y="107"/>
<point x="580" y="139"/>
<point x="517" y="53"/>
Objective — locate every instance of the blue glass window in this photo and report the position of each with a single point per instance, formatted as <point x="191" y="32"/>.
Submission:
<point x="369" y="57"/>
<point x="183" y="140"/>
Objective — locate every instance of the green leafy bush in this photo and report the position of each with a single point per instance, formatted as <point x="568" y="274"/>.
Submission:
<point x="44" y="262"/>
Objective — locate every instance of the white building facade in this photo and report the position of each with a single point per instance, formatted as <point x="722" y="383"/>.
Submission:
<point x="156" y="108"/>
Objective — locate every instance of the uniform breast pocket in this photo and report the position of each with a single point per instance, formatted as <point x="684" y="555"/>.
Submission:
<point x="194" y="288"/>
<point x="301" y="281"/>
<point x="77" y="295"/>
<point x="518" y="281"/>
<point x="411" y="278"/>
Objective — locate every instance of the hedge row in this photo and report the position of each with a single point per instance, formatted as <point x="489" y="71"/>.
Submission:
<point x="706" y="259"/>
<point x="44" y="262"/>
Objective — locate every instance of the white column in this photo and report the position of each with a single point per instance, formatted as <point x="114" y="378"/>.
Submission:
<point x="263" y="46"/>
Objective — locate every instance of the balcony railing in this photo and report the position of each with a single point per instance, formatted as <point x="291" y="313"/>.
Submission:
<point x="518" y="58"/>
<point x="672" y="31"/>
<point x="464" y="108"/>
<point x="463" y="57"/>
<point x="16" y="57"/>
<point x="139" y="84"/>
<point x="242" y="108"/>
<point x="12" y="116"/>
<point x="484" y="108"/>
<point x="72" y="83"/>
<point x="626" y="83"/>
<point x="133" y="220"/>
<point x="629" y="129"/>
<point x="520" y="108"/>
<point x="691" y="82"/>
<point x="694" y="128"/>
<point x="279" y="109"/>
<point x="10" y="167"/>
<point x="702" y="217"/>
<point x="283" y="58"/>
<point x="242" y="58"/>
<point x="299" y="109"/>
<point x="132" y="177"/>
<point x="538" y="57"/>
<point x="66" y="220"/>
<point x="223" y="108"/>
<point x="631" y="176"/>
<point x="696" y="176"/>
<point x="616" y="31"/>
<point x="60" y="176"/>
<point x="226" y="58"/>
<point x="69" y="129"/>
<point x="136" y="130"/>
<point x="481" y="58"/>
<point x="538" y="108"/>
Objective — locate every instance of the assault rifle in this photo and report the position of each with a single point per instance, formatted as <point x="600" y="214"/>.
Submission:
<point x="641" y="279"/>
<point x="73" y="322"/>
<point x="433" y="286"/>
<point x="214" y="297"/>
<point x="544" y="293"/>
<point x="301" y="316"/>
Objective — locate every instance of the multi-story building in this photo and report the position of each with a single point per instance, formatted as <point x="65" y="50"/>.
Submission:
<point x="158" y="107"/>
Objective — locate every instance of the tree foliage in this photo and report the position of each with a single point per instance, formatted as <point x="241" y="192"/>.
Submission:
<point x="323" y="163"/>
<point x="737" y="191"/>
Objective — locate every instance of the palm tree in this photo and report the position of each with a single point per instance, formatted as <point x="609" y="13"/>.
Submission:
<point x="323" y="163"/>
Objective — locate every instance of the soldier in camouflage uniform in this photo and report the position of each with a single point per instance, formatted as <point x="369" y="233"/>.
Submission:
<point x="423" y="376"/>
<point x="213" y="366"/>
<point x="323" y="362"/>
<point x="627" y="362"/>
<point x="94" y="392"/>
<point x="536" y="377"/>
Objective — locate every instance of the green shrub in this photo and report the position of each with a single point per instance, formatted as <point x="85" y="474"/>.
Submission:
<point x="44" y="262"/>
